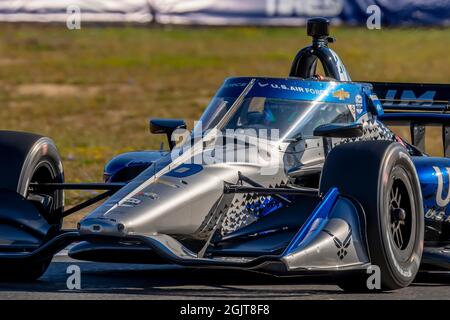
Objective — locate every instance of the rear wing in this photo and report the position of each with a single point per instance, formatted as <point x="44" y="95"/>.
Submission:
<point x="418" y="105"/>
<point x="413" y="96"/>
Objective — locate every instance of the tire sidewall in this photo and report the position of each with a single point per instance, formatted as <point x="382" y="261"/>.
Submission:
<point x="43" y="154"/>
<point x="401" y="266"/>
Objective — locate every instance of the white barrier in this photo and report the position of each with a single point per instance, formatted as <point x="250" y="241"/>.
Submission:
<point x="136" y="11"/>
<point x="230" y="12"/>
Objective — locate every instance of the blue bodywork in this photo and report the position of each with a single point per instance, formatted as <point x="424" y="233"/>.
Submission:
<point x="317" y="218"/>
<point x="127" y="166"/>
<point x="437" y="218"/>
<point x="296" y="89"/>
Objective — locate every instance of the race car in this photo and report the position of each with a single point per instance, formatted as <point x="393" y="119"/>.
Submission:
<point x="291" y="176"/>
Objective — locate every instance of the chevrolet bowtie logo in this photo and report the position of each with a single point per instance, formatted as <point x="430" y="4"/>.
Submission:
<point x="341" y="94"/>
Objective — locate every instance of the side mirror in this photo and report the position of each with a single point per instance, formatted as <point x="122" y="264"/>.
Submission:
<point x="339" y="130"/>
<point x="167" y="126"/>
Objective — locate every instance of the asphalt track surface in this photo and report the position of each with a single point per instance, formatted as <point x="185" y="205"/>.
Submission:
<point x="124" y="281"/>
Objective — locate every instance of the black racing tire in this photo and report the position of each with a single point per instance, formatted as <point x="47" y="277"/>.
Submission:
<point x="382" y="177"/>
<point x="26" y="158"/>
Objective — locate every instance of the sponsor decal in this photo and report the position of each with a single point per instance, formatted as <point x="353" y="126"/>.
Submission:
<point x="181" y="170"/>
<point x="341" y="94"/>
<point x="131" y="202"/>
<point x="150" y="195"/>
<point x="297" y="89"/>
<point x="341" y="245"/>
<point x="185" y="170"/>
<point x="235" y="85"/>
<point x="166" y="183"/>
<point x="408" y="97"/>
<point x="377" y="104"/>
<point x="359" y="103"/>
<point x="440" y="200"/>
<point x="358" y="99"/>
<point x="440" y="216"/>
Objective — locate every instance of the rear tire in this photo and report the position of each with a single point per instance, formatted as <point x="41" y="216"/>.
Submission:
<point x="27" y="158"/>
<point x="381" y="176"/>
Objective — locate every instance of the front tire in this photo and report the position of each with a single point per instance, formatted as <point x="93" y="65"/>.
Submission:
<point x="381" y="176"/>
<point x="29" y="158"/>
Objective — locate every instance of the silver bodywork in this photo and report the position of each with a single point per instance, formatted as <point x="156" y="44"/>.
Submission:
<point x="162" y="203"/>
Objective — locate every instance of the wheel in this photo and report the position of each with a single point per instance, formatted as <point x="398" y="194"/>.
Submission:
<point x="29" y="158"/>
<point x="382" y="177"/>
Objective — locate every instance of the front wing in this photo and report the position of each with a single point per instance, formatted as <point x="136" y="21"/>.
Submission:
<point x="332" y="238"/>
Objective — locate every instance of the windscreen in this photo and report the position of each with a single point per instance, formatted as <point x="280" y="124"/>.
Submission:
<point x="271" y="110"/>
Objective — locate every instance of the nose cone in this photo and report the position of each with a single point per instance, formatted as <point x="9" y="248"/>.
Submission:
<point x="175" y="203"/>
<point x="183" y="199"/>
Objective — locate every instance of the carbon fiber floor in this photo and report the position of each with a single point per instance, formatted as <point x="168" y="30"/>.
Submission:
<point x="121" y="281"/>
